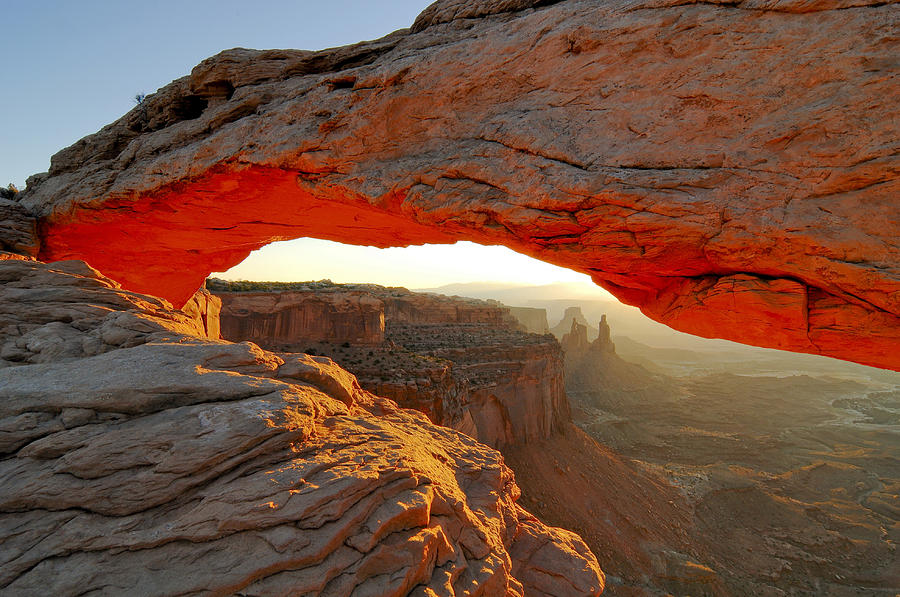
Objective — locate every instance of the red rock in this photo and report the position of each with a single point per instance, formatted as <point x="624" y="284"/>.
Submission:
<point x="403" y="306"/>
<point x="139" y="455"/>
<point x="731" y="169"/>
<point x="463" y="362"/>
<point x="295" y="318"/>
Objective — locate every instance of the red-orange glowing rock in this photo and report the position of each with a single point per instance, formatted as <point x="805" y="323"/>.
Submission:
<point x="730" y="169"/>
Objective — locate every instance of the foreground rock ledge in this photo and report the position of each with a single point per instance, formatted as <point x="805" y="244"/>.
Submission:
<point x="140" y="459"/>
<point x="730" y="168"/>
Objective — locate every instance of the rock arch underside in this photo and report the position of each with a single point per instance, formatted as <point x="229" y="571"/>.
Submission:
<point x="731" y="168"/>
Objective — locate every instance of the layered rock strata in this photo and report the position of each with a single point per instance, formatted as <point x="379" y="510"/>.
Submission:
<point x="463" y="362"/>
<point x="18" y="229"/>
<point x="144" y="459"/>
<point x="292" y="318"/>
<point x="402" y="306"/>
<point x="731" y="168"/>
<point x="67" y="310"/>
<point x="514" y="389"/>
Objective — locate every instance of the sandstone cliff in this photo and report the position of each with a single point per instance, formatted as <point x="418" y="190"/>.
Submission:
<point x="460" y="361"/>
<point x="140" y="458"/>
<point x="290" y="319"/>
<point x="729" y="167"/>
<point x="403" y="306"/>
<point x="514" y="389"/>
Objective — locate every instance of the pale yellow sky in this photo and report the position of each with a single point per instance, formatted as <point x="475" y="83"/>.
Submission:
<point x="425" y="266"/>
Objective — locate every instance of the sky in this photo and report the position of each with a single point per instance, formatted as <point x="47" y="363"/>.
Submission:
<point x="70" y="67"/>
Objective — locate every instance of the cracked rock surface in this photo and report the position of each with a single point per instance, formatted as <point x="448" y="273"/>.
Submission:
<point x="143" y="459"/>
<point x="730" y="167"/>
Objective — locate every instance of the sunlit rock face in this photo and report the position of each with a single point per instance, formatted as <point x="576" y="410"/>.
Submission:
<point x="463" y="362"/>
<point x="141" y="458"/>
<point x="295" y="318"/>
<point x="730" y="168"/>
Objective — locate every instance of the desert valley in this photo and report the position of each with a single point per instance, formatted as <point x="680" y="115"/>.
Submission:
<point x="722" y="419"/>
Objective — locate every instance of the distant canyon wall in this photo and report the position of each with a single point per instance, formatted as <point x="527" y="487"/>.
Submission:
<point x="534" y="320"/>
<point x="463" y="362"/>
<point x="516" y="392"/>
<point x="419" y="308"/>
<point x="294" y="318"/>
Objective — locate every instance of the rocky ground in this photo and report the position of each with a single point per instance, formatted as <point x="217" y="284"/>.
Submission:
<point x="139" y="457"/>
<point x="634" y="519"/>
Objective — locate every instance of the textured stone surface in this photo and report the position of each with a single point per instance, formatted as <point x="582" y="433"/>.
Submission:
<point x="18" y="229"/>
<point x="158" y="462"/>
<point x="205" y="308"/>
<point x="66" y="310"/>
<point x="295" y="318"/>
<point x="403" y="306"/>
<point x="463" y="362"/>
<point x="513" y="382"/>
<point x="729" y="167"/>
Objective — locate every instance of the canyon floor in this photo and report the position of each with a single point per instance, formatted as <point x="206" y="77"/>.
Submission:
<point x="788" y="464"/>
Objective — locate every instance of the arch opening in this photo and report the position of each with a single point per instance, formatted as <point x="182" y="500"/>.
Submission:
<point x="693" y="204"/>
<point x="167" y="243"/>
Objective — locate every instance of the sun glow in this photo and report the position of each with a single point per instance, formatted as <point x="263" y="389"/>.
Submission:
<point x="425" y="266"/>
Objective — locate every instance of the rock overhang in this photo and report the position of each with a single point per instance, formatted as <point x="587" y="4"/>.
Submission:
<point x="708" y="163"/>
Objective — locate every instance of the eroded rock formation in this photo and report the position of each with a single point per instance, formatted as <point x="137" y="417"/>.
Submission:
<point x="18" y="229"/>
<point x="729" y="167"/>
<point x="294" y="318"/>
<point x="463" y="362"/>
<point x="604" y="341"/>
<point x="141" y="458"/>
<point x="576" y="341"/>
<point x="510" y="385"/>
<point x="570" y="316"/>
<point x="404" y="307"/>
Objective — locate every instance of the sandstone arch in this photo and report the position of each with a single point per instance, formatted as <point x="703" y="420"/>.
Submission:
<point x="730" y="168"/>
